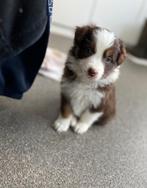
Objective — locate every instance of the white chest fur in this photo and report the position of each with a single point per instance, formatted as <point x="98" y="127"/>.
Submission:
<point x="81" y="96"/>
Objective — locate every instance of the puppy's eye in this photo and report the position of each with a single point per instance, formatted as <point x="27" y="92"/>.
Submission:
<point x="109" y="59"/>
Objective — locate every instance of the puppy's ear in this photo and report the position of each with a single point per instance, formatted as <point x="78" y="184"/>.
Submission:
<point x="117" y="52"/>
<point x="84" y="42"/>
<point x="79" y="34"/>
<point x="85" y="33"/>
<point x="122" y="52"/>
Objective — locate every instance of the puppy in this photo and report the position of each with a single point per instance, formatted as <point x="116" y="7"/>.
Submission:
<point x="87" y="87"/>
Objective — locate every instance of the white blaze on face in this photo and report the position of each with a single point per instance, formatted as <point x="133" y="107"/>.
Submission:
<point x="104" y="40"/>
<point x="94" y="63"/>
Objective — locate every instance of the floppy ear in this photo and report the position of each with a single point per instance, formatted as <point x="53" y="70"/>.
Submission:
<point x="85" y="33"/>
<point x="84" y="42"/>
<point x="79" y="34"/>
<point x="122" y="53"/>
<point x="117" y="52"/>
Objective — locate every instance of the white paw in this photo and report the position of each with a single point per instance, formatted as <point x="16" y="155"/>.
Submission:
<point x="73" y="121"/>
<point x="81" y="128"/>
<point x="62" y="124"/>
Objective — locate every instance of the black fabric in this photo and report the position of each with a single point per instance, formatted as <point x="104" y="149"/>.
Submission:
<point x="21" y="23"/>
<point x="24" y="30"/>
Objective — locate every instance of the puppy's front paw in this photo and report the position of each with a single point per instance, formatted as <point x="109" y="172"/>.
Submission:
<point x="62" y="124"/>
<point x="81" y="127"/>
<point x="73" y="121"/>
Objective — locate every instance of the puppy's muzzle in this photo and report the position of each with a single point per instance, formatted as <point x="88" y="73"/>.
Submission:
<point x="92" y="73"/>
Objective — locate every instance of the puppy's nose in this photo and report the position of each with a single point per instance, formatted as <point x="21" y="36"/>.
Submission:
<point x="91" y="72"/>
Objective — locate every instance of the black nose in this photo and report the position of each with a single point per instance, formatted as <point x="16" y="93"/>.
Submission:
<point x="91" y="72"/>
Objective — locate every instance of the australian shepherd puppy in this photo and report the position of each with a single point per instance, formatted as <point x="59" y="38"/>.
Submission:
<point x="87" y="87"/>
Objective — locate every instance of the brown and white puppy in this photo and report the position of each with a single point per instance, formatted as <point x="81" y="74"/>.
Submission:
<point x="87" y="87"/>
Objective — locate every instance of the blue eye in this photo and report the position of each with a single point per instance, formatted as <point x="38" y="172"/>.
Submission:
<point x="109" y="59"/>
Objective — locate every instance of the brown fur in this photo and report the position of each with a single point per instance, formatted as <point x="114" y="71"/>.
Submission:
<point x="115" y="55"/>
<point x="84" y="42"/>
<point x="65" y="108"/>
<point x="69" y="74"/>
<point x="107" y="105"/>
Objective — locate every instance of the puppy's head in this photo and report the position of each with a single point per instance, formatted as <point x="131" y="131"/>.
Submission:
<point x="96" y="53"/>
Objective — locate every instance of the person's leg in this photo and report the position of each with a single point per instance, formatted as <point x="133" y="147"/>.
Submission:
<point x="24" y="31"/>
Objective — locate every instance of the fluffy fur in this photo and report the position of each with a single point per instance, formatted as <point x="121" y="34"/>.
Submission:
<point x="87" y="87"/>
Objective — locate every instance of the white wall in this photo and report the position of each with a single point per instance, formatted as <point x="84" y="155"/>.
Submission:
<point x="121" y="16"/>
<point x="124" y="17"/>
